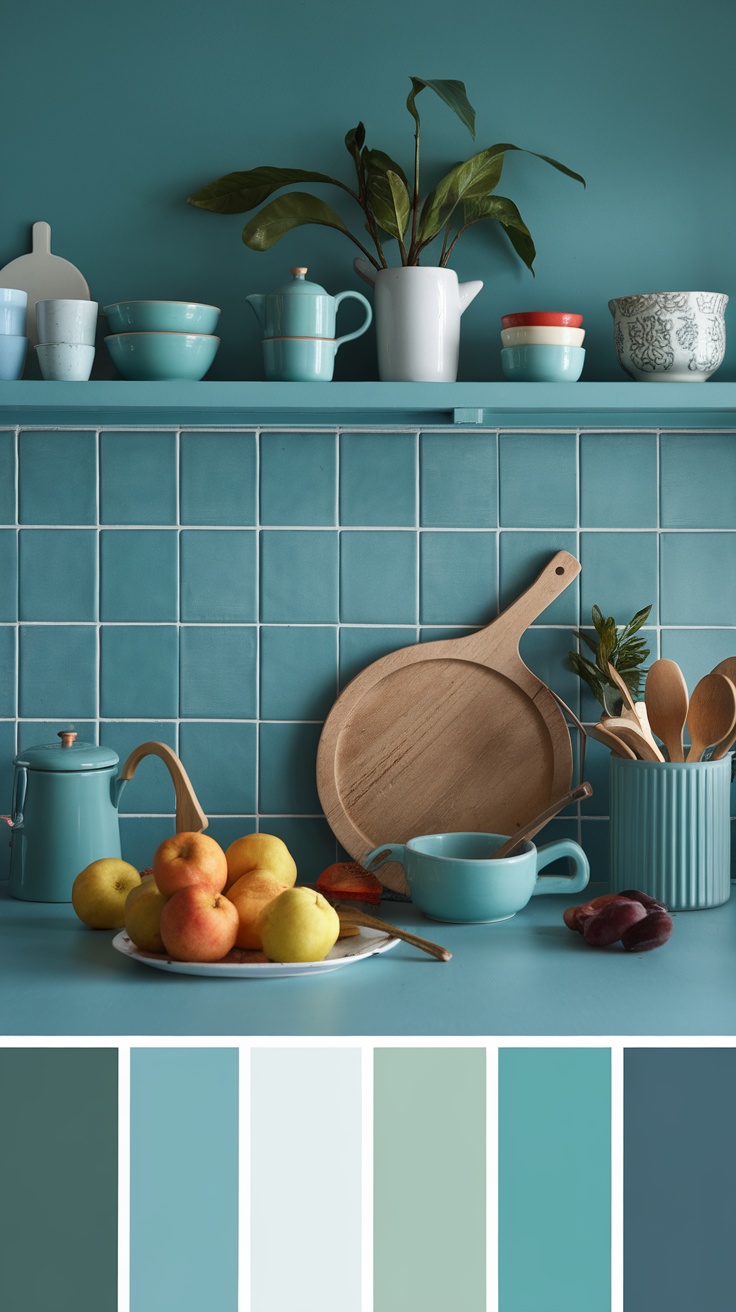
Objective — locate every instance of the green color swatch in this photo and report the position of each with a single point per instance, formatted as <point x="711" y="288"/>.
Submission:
<point x="554" y="1180"/>
<point x="429" y="1184"/>
<point x="58" y="1179"/>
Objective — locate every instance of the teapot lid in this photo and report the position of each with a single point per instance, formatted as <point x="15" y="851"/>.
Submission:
<point x="298" y="286"/>
<point x="67" y="754"/>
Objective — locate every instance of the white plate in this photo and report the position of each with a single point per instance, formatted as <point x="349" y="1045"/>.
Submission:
<point x="239" y="964"/>
<point x="44" y="276"/>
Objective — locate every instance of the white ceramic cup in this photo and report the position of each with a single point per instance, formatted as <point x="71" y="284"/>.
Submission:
<point x="66" y="321"/>
<point x="65" y="362"/>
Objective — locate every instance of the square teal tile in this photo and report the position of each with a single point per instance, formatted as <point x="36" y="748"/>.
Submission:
<point x="557" y="831"/>
<point x="32" y="733"/>
<point x="217" y="672"/>
<point x="458" y="578"/>
<point x="698" y="480"/>
<point x="598" y="774"/>
<point x="139" y="575"/>
<point x="378" y="479"/>
<point x="7" y="670"/>
<point x="545" y="652"/>
<point x="218" y="576"/>
<point x="458" y="480"/>
<point x="138" y="478"/>
<point x="595" y="842"/>
<point x="139" y="674"/>
<point x="619" y="574"/>
<point x="141" y="835"/>
<point x="538" y="474"/>
<point x="310" y="841"/>
<point x="378" y="577"/>
<point x="360" y="647"/>
<point x="523" y="556"/>
<point x="697" y="651"/>
<point x="220" y="760"/>
<point x="298" y="672"/>
<point x="7" y="753"/>
<point x="698" y="578"/>
<point x="218" y="478"/>
<point x="440" y="632"/>
<point x="225" y="829"/>
<point x="151" y="790"/>
<point x="287" y="765"/>
<point x="58" y="478"/>
<point x="298" y="478"/>
<point x="7" y="478"/>
<point x="299" y="577"/>
<point x="8" y="574"/>
<point x="58" y="671"/>
<point x="58" y="574"/>
<point x="618" y="480"/>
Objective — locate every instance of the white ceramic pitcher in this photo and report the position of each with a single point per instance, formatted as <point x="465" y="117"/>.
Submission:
<point x="418" y="312"/>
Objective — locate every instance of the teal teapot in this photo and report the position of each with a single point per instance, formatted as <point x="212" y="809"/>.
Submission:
<point x="298" y="326"/>
<point x="64" y="811"/>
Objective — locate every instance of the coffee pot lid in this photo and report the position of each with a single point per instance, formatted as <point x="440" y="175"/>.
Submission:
<point x="67" y="754"/>
<point x="299" y="286"/>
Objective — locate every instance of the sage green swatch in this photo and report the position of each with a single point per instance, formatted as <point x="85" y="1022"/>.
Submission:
<point x="429" y="1184"/>
<point x="554" y="1180"/>
<point x="58" y="1179"/>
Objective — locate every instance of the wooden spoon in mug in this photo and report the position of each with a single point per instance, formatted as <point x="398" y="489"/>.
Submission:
<point x="617" y="745"/>
<point x="720" y="749"/>
<point x="667" y="703"/>
<point x="645" y="749"/>
<point x="533" y="827"/>
<point x="712" y="714"/>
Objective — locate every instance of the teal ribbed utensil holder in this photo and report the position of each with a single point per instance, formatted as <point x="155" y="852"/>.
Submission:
<point x="670" y="831"/>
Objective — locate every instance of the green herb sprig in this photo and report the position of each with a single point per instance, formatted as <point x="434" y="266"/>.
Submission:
<point x="618" y="645"/>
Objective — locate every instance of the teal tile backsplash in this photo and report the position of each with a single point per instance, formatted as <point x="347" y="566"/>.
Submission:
<point x="216" y="590"/>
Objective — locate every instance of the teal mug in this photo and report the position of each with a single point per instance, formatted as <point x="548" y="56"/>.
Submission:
<point x="453" y="877"/>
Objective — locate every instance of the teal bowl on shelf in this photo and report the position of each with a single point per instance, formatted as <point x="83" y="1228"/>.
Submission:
<point x="537" y="363"/>
<point x="161" y="317"/>
<point x="161" y="357"/>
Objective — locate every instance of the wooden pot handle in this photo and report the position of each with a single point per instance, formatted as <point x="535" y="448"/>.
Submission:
<point x="190" y="818"/>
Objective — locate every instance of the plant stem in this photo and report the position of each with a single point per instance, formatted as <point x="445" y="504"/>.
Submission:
<point x="446" y="254"/>
<point x="444" y="245"/>
<point x="413" y="257"/>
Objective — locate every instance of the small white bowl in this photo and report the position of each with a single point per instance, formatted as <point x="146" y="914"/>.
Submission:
<point x="65" y="362"/>
<point x="537" y="335"/>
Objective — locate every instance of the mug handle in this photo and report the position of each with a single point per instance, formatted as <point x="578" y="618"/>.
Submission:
<point x="380" y="855"/>
<point x="562" y="883"/>
<point x="366" y="322"/>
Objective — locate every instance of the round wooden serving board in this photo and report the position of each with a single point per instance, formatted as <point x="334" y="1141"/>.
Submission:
<point x="447" y="736"/>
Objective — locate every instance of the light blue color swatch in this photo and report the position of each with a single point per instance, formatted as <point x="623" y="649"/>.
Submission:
<point x="184" y="1179"/>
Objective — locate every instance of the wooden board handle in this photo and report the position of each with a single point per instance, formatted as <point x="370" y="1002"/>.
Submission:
<point x="190" y="818"/>
<point x="41" y="238"/>
<point x="557" y="575"/>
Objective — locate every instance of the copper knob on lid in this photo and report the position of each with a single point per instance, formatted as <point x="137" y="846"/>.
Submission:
<point x="67" y="737"/>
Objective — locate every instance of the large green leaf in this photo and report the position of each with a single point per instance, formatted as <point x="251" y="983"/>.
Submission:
<point x="286" y="213"/>
<point x="504" y="212"/>
<point x="453" y="94"/>
<point x="468" y="181"/>
<point x="387" y="192"/>
<point x="235" y="193"/>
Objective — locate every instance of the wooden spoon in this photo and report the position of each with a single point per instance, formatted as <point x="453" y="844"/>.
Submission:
<point x="632" y="735"/>
<point x="633" y="711"/>
<point x="533" y="827"/>
<point x="351" y="916"/>
<point x="720" y="749"/>
<point x="667" y="703"/>
<point x="712" y="714"/>
<point x="617" y="745"/>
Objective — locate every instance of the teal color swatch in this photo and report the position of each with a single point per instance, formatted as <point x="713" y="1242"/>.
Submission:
<point x="679" y="1162"/>
<point x="429" y="1186"/>
<point x="554" y="1180"/>
<point x="306" y="1180"/>
<point x="184" y="1179"/>
<point x="58" y="1179"/>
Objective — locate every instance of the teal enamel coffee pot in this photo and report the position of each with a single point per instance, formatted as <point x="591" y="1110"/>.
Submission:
<point x="64" y="812"/>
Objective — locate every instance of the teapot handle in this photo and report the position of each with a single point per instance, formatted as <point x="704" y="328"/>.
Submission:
<point x="190" y="817"/>
<point x="357" y="296"/>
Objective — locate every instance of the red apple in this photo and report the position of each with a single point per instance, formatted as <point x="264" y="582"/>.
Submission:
<point x="198" y="924"/>
<point x="189" y="860"/>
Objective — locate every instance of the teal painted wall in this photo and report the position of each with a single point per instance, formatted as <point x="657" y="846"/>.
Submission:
<point x="114" y="114"/>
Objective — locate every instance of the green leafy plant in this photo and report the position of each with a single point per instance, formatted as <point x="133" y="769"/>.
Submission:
<point x="392" y="206"/>
<point x="618" y="645"/>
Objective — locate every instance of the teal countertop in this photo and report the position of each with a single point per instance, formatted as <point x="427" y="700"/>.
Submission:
<point x="237" y="404"/>
<point x="526" y="976"/>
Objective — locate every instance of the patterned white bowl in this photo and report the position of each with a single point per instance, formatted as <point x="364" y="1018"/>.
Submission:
<point x="539" y="335"/>
<point x="665" y="337"/>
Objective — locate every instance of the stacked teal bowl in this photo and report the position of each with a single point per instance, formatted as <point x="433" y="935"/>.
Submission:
<point x="544" y="346"/>
<point x="156" y="341"/>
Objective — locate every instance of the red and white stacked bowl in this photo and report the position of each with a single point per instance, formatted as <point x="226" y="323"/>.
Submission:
<point x="542" y="346"/>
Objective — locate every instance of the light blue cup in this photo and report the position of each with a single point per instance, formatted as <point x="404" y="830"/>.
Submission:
<point x="13" y="311"/>
<point x="299" y="359"/>
<point x="452" y="877"/>
<point x="160" y="357"/>
<point x="537" y="363"/>
<point x="12" y="356"/>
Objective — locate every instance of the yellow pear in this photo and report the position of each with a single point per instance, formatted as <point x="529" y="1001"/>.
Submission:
<point x="100" y="890"/>
<point x="261" y="853"/>
<point x="143" y="915"/>
<point x="299" y="925"/>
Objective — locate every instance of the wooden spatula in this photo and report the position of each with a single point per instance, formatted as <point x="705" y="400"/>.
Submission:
<point x="631" y="734"/>
<point x="351" y="916"/>
<point x="611" y="740"/>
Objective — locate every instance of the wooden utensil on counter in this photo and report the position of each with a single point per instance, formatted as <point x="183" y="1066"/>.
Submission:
<point x="533" y="827"/>
<point x="667" y="701"/>
<point x="449" y="735"/>
<point x="630" y="733"/>
<point x="617" y="745"/>
<point x="351" y="916"/>
<point x="190" y="818"/>
<point x="711" y="717"/>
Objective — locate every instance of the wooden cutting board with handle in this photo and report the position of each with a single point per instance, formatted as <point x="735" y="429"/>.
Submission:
<point x="447" y="736"/>
<point x="44" y="276"/>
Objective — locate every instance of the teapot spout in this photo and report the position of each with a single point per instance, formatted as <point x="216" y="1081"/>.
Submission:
<point x="468" y="292"/>
<point x="257" y="304"/>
